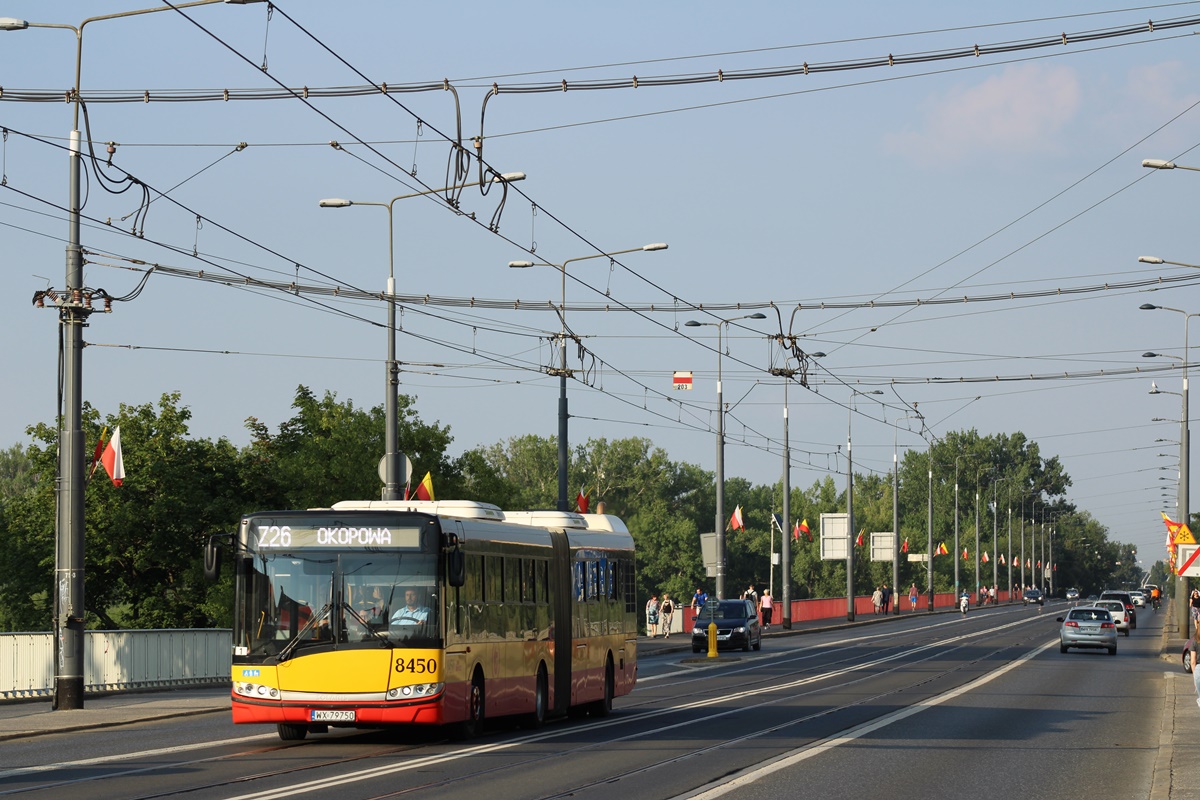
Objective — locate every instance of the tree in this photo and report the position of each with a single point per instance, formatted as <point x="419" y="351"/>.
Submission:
<point x="142" y="541"/>
<point x="330" y="450"/>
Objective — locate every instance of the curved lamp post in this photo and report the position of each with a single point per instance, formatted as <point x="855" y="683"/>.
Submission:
<point x="68" y="598"/>
<point x="720" y="479"/>
<point x="563" y="372"/>
<point x="1181" y="608"/>
<point x="391" y="454"/>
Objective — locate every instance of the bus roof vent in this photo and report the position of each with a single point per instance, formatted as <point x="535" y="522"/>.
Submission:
<point x="462" y="509"/>
<point x="604" y="522"/>
<point x="547" y="519"/>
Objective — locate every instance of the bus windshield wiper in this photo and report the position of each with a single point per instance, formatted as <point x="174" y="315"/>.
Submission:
<point x="313" y="622"/>
<point x="362" y="621"/>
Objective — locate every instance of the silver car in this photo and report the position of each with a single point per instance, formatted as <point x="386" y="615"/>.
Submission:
<point x="1116" y="610"/>
<point x="1088" y="626"/>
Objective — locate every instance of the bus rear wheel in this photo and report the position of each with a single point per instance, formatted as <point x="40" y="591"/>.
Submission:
<point x="603" y="707"/>
<point x="292" y="733"/>
<point x="541" y="699"/>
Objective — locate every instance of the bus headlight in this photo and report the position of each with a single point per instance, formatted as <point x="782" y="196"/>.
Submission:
<point x="256" y="690"/>
<point x="415" y="690"/>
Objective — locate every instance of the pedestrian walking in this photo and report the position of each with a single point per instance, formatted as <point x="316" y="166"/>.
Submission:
<point x="877" y="598"/>
<point x="1194" y="602"/>
<point x="698" y="600"/>
<point x="666" y="610"/>
<point x="887" y="599"/>
<point x="912" y="597"/>
<point x="992" y="596"/>
<point x="767" y="606"/>
<point x="652" y="616"/>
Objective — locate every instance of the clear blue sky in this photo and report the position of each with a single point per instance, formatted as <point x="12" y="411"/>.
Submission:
<point x="962" y="178"/>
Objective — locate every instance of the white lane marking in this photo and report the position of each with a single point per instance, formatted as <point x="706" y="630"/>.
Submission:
<point x="164" y="751"/>
<point x="827" y="744"/>
<point x="377" y="772"/>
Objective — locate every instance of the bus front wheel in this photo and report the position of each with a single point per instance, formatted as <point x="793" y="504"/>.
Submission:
<point x="292" y="733"/>
<point x="472" y="726"/>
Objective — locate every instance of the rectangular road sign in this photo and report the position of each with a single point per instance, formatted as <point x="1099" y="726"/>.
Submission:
<point x="835" y="536"/>
<point x="1186" y="561"/>
<point x="883" y="545"/>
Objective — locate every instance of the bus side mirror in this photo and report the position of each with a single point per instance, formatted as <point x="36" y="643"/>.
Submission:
<point x="456" y="568"/>
<point x="212" y="560"/>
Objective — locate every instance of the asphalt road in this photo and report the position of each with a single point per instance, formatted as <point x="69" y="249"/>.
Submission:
<point x="930" y="706"/>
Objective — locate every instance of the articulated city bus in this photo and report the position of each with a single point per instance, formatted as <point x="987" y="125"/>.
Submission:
<point x="377" y="613"/>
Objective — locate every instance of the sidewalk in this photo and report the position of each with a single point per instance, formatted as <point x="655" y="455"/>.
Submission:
<point x="23" y="718"/>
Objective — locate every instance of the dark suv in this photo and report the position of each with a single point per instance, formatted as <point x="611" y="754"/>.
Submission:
<point x="1034" y="596"/>
<point x="737" y="626"/>
<point x="1127" y="599"/>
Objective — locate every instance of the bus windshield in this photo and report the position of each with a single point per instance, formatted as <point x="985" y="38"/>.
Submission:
<point x="330" y="600"/>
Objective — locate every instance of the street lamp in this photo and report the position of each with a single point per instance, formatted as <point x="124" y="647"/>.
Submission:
<point x="1157" y="260"/>
<point x="68" y="597"/>
<point x="391" y="453"/>
<point x="1158" y="163"/>
<point x="720" y="515"/>
<point x="1181" y="591"/>
<point x="785" y="546"/>
<point x="850" y="504"/>
<point x="562" y="370"/>
<point x="956" y="460"/>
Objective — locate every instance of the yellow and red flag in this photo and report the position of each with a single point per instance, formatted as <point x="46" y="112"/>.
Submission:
<point x="425" y="488"/>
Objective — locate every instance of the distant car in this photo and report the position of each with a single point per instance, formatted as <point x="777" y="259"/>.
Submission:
<point x="1112" y="594"/>
<point x="1139" y="597"/>
<point x="737" y="626"/>
<point x="1072" y="594"/>
<point x="1033" y="596"/>
<point x="1116" y="610"/>
<point x="1087" y="626"/>
<point x="1091" y="598"/>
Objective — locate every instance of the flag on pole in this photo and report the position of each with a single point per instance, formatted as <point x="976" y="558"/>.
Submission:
<point x="942" y="550"/>
<point x="582" y="501"/>
<point x="964" y="554"/>
<point x="804" y="529"/>
<point x="114" y="463"/>
<point x="1039" y="564"/>
<point x="984" y="558"/>
<point x="98" y="451"/>
<point x="904" y="547"/>
<point x="796" y="531"/>
<point x="1002" y="559"/>
<point x="736" y="522"/>
<point x="859" y="541"/>
<point x="425" y="488"/>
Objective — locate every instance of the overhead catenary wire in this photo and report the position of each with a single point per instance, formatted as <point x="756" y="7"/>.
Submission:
<point x="719" y="75"/>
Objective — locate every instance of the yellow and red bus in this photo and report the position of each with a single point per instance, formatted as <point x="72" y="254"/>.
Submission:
<point x="380" y="613"/>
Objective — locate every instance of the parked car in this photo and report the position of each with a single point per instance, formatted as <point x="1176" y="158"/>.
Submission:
<point x="1072" y="594"/>
<point x="1034" y="596"/>
<point x="1116" y="610"/>
<point x="737" y="626"/>
<point x="1112" y="594"/>
<point x="1087" y="626"/>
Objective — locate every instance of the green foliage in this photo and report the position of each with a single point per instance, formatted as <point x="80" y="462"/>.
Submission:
<point x="144" y="540"/>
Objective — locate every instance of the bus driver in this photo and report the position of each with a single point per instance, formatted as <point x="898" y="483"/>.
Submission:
<point x="411" y="613"/>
